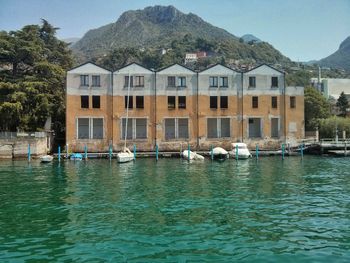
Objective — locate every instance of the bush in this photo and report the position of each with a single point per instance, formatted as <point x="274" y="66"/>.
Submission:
<point x="327" y="127"/>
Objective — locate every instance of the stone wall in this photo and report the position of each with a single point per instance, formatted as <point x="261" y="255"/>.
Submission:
<point x="18" y="147"/>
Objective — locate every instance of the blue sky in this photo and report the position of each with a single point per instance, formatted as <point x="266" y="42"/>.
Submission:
<point x="301" y="29"/>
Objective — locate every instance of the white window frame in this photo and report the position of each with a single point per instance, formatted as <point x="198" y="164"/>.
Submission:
<point x="90" y="127"/>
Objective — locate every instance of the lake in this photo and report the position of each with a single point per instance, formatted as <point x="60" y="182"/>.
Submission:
<point x="174" y="211"/>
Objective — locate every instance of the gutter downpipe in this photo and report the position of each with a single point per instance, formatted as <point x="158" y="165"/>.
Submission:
<point x="155" y="108"/>
<point x="242" y="101"/>
<point x="197" y="109"/>
<point x="285" y="106"/>
<point x="112" y="108"/>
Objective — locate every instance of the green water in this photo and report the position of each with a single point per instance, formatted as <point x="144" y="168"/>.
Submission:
<point x="172" y="211"/>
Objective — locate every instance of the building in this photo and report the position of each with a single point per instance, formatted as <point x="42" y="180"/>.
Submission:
<point x="176" y="106"/>
<point x="332" y="88"/>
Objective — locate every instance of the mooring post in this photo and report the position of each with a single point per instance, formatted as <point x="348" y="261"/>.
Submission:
<point x="188" y="151"/>
<point x="85" y="150"/>
<point x="28" y="152"/>
<point x="211" y="152"/>
<point x="59" y="153"/>
<point x="288" y="149"/>
<point x="302" y="150"/>
<point x="110" y="152"/>
<point x="236" y="152"/>
<point x="282" y="151"/>
<point x="257" y="151"/>
<point x="345" y="150"/>
<point x="157" y="152"/>
<point x="134" y="151"/>
<point x="67" y="151"/>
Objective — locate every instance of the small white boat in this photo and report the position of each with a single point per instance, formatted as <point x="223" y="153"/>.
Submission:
<point x="192" y="155"/>
<point x="241" y="149"/>
<point x="46" y="158"/>
<point x="125" y="156"/>
<point x="220" y="154"/>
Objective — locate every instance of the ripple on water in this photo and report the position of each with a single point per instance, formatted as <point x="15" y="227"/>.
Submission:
<point x="172" y="210"/>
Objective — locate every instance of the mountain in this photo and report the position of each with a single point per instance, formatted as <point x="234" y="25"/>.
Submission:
<point x="340" y="58"/>
<point x="250" y="38"/>
<point x="160" y="27"/>
<point x="71" y="40"/>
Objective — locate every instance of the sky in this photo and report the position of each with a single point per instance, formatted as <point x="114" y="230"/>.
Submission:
<point x="302" y="30"/>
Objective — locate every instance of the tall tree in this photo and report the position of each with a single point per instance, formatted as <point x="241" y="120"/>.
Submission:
<point x="342" y="104"/>
<point x="316" y="107"/>
<point x="32" y="82"/>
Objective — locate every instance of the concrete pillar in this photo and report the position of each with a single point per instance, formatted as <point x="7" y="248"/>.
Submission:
<point x="344" y="135"/>
<point x="317" y="135"/>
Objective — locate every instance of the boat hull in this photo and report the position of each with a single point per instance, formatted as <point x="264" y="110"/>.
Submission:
<point x="46" y="158"/>
<point x="125" y="157"/>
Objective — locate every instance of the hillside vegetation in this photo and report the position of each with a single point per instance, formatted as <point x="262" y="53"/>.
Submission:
<point x="154" y="28"/>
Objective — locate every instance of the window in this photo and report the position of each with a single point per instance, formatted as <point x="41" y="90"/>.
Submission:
<point x="274" y="102"/>
<point x="182" y="128"/>
<point x="97" y="128"/>
<point x="171" y="81"/>
<point x="218" y="128"/>
<point x="139" y="102"/>
<point x="130" y="102"/>
<point x="96" y="102"/>
<point x="169" y="129"/>
<point x="255" y="102"/>
<point x="90" y="128"/>
<point x="84" y="102"/>
<point x="139" y="81"/>
<point x="213" y="81"/>
<point x="252" y="82"/>
<point x="84" y="80"/>
<point x="292" y="102"/>
<point x="212" y="128"/>
<point x="225" y="127"/>
<point x="137" y="128"/>
<point x="95" y="81"/>
<point x="181" y="82"/>
<point x="126" y="81"/>
<point x="223" y="102"/>
<point x="274" y="82"/>
<point x="176" y="128"/>
<point x="171" y="102"/>
<point x="128" y="129"/>
<point x="182" y="102"/>
<point x="141" y="128"/>
<point x="213" y="102"/>
<point x="224" y="82"/>
<point x="83" y="128"/>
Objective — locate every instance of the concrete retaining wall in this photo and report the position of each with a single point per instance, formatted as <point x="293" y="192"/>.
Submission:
<point x="18" y="147"/>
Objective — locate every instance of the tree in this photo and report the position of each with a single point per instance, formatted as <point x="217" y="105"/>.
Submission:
<point x="32" y="82"/>
<point x="316" y="107"/>
<point x="342" y="104"/>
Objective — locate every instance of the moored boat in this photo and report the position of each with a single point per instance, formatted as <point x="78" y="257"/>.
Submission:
<point x="76" y="157"/>
<point x="46" y="158"/>
<point x="241" y="149"/>
<point x="125" y="156"/>
<point x="186" y="154"/>
<point x="220" y="154"/>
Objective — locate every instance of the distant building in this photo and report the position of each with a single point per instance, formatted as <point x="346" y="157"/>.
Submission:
<point x="190" y="57"/>
<point x="332" y="88"/>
